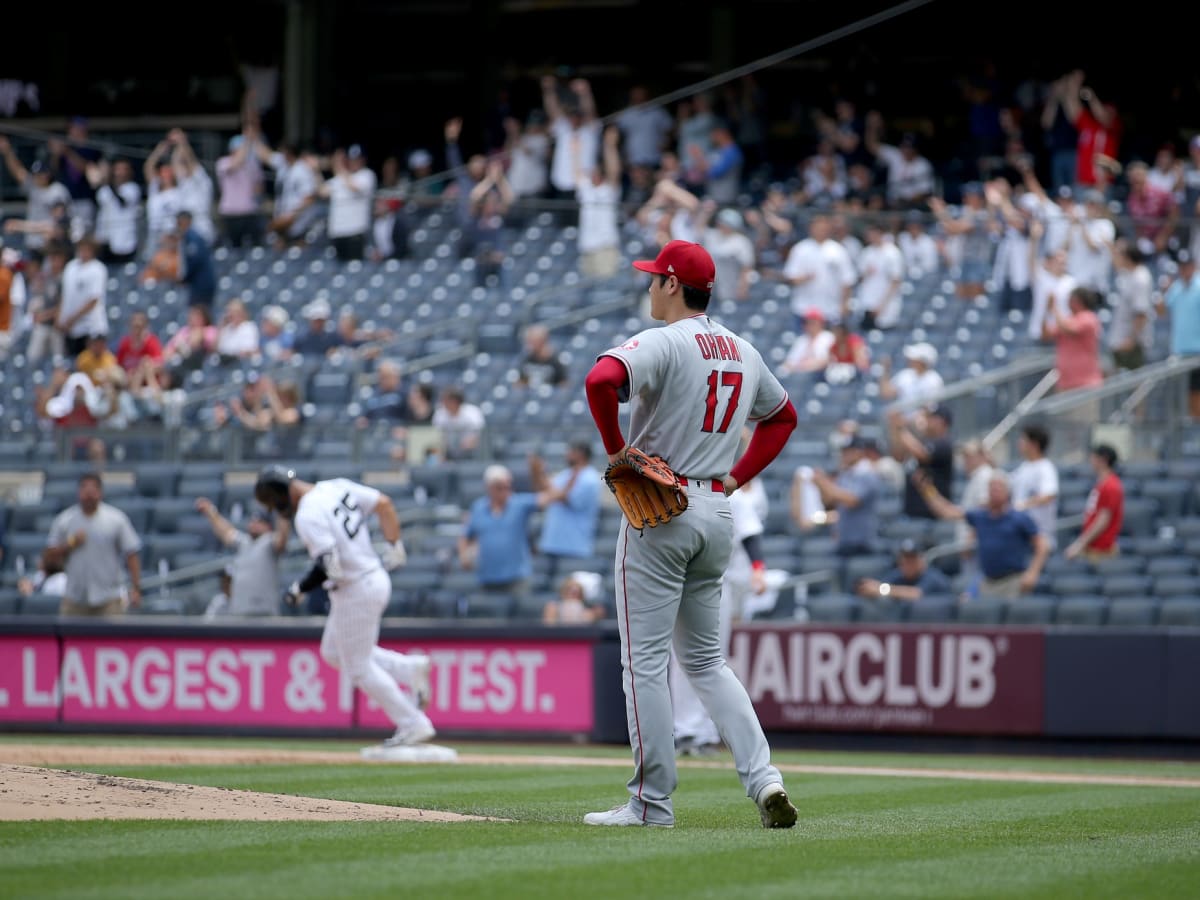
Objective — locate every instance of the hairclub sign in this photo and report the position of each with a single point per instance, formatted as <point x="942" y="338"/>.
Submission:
<point x="899" y="679"/>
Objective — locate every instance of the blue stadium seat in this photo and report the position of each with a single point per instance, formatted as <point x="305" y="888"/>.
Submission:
<point x="933" y="608"/>
<point x="1123" y="564"/>
<point x="1179" y="611"/>
<point x="1035" y="609"/>
<point x="1171" y="565"/>
<point x="832" y="608"/>
<point x="1075" y="583"/>
<point x="983" y="611"/>
<point x="1173" y="495"/>
<point x="1128" y="611"/>
<point x="1081" y="610"/>
<point x="38" y="604"/>
<point x="1129" y="585"/>
<point x="882" y="611"/>
<point x="1141" y="516"/>
<point x="1177" y="586"/>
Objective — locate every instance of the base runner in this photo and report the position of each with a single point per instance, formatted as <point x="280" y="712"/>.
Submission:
<point x="331" y="519"/>
<point x="692" y="385"/>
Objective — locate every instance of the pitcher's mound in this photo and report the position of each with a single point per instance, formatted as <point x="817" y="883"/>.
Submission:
<point x="416" y="753"/>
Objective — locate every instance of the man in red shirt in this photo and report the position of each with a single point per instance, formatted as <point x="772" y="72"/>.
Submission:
<point x="1105" y="510"/>
<point x="1097" y="124"/>
<point x="139" y="344"/>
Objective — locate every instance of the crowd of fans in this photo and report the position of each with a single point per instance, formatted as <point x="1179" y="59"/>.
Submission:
<point x="1056" y="232"/>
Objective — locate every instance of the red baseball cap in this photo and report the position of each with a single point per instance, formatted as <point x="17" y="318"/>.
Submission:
<point x="688" y="262"/>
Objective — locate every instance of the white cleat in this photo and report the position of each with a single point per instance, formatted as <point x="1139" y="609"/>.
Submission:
<point x="775" y="808"/>
<point x="407" y="736"/>
<point x="621" y="816"/>
<point x="422" y="670"/>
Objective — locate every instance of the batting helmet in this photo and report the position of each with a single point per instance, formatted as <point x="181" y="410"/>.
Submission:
<point x="271" y="489"/>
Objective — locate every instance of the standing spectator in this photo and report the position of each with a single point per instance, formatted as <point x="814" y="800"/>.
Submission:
<point x="1061" y="139"/>
<point x="918" y="382"/>
<point x="733" y="255"/>
<point x="694" y="121"/>
<point x="968" y="230"/>
<point x="1012" y="551"/>
<point x="571" y="503"/>
<point x="909" y="581"/>
<point x="1130" y="331"/>
<point x="254" y="588"/>
<point x="119" y="210"/>
<point x="43" y="286"/>
<point x="978" y="468"/>
<point x="909" y="173"/>
<point x="240" y="178"/>
<point x="717" y="173"/>
<point x="576" y="132"/>
<point x="297" y="180"/>
<point x="1183" y="301"/>
<point x="12" y="298"/>
<point x="645" y="128"/>
<point x="881" y="273"/>
<point x="98" y="541"/>
<point x="1191" y="193"/>
<point x="83" y="311"/>
<point x="529" y="155"/>
<point x="1090" y="237"/>
<point x="351" y="195"/>
<point x="1097" y="126"/>
<point x="195" y="185"/>
<point x="920" y="250"/>
<point x="1076" y="339"/>
<point x="1011" y="265"/>
<point x="484" y="232"/>
<point x="196" y="267"/>
<point x="41" y="190"/>
<point x="540" y="364"/>
<point x="1034" y="482"/>
<point x="925" y="446"/>
<point x="821" y="273"/>
<point x="163" y="200"/>
<point x="1153" y="211"/>
<point x="852" y="497"/>
<point x="1052" y="286"/>
<point x="70" y="159"/>
<point x="495" y="538"/>
<point x="598" y="189"/>
<point x="1104" y="513"/>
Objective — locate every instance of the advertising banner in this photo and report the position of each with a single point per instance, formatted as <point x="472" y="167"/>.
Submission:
<point x="936" y="680"/>
<point x="28" y="671"/>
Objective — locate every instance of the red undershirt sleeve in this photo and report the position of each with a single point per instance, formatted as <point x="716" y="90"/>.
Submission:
<point x="603" y="384"/>
<point x="768" y="439"/>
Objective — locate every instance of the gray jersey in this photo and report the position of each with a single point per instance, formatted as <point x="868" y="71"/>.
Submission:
<point x="693" y="384"/>
<point x="96" y="569"/>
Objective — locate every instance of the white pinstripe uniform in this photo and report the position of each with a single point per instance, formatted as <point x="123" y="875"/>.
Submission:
<point x="693" y="385"/>
<point x="332" y="516"/>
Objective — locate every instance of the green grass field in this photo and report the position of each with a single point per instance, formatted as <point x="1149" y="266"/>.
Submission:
<point x="858" y="836"/>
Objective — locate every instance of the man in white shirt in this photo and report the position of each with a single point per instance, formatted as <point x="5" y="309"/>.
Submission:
<point x="82" y="311"/>
<point x="351" y="193"/>
<point x="296" y="183"/>
<point x="820" y="272"/>
<point x="1034" y="482"/>
<point x="810" y="351"/>
<point x="119" y="199"/>
<point x="43" y="192"/>
<point x="881" y="267"/>
<point x="909" y="175"/>
<point x="576" y="133"/>
<point x="733" y="253"/>
<point x="1090" y="238"/>
<point x="1051" y="284"/>
<point x="195" y="186"/>
<point x="645" y="129"/>
<point x="920" y="250"/>
<point x="599" y="194"/>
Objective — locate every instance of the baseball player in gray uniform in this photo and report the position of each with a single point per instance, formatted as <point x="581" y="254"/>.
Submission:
<point x="330" y="517"/>
<point x="692" y="385"/>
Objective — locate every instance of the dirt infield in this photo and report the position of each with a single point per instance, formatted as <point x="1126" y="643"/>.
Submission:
<point x="28" y="792"/>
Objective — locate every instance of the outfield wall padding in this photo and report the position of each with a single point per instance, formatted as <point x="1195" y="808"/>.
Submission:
<point x="160" y="675"/>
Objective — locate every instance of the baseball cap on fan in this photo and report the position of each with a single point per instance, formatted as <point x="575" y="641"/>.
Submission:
<point x="688" y="262"/>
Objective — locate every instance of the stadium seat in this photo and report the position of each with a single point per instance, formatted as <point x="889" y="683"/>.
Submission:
<point x="1173" y="495"/>
<point x="1076" y="583"/>
<point x="157" y="479"/>
<point x="1081" y="610"/>
<point x="10" y="601"/>
<point x="1179" y="611"/>
<point x="1141" y="516"/>
<point x="933" y="609"/>
<point x="38" y="604"/>
<point x="982" y="611"/>
<point x="1127" y="611"/>
<point x="1186" y="586"/>
<point x="832" y="608"/>
<point x="1124" y="564"/>
<point x="882" y="611"/>
<point x="1126" y="585"/>
<point x="1035" y="609"/>
<point x="1171" y="565"/>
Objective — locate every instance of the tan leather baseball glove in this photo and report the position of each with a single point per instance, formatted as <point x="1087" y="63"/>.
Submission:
<point x="647" y="491"/>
